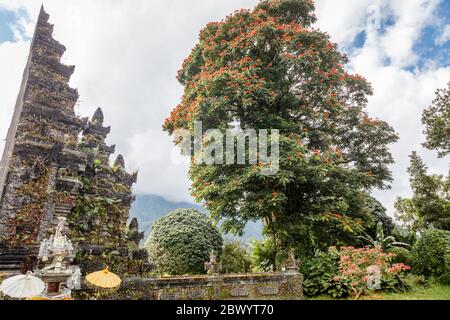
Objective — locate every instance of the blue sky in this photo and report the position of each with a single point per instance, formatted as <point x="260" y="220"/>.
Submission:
<point x="7" y="18"/>
<point x="427" y="47"/>
<point x="127" y="54"/>
<point x="9" y="21"/>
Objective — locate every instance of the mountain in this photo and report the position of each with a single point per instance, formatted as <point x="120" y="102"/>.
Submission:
<point x="149" y="208"/>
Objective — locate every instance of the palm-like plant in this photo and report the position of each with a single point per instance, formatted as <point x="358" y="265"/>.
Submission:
<point x="382" y="241"/>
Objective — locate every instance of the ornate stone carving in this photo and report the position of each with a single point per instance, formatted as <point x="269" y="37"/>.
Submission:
<point x="56" y="253"/>
<point x="213" y="267"/>
<point x="291" y="264"/>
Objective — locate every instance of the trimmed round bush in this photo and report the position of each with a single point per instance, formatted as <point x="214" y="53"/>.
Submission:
<point x="432" y="253"/>
<point x="180" y="242"/>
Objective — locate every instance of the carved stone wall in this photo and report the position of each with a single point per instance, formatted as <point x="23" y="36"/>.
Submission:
<point x="42" y="139"/>
<point x="103" y="204"/>
<point x="281" y="285"/>
<point x="47" y="172"/>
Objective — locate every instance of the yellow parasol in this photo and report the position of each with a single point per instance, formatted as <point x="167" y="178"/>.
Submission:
<point x="103" y="280"/>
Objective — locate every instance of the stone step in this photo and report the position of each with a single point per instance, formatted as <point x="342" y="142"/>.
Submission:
<point x="63" y="206"/>
<point x="9" y="257"/>
<point x="55" y="222"/>
<point x="19" y="252"/>
<point x="10" y="267"/>
<point x="64" y="212"/>
<point x="60" y="214"/>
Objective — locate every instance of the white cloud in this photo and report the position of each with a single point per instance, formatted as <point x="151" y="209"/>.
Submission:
<point x="127" y="54"/>
<point x="411" y="18"/>
<point x="444" y="37"/>
<point x="12" y="63"/>
<point x="400" y="94"/>
<point x="342" y="19"/>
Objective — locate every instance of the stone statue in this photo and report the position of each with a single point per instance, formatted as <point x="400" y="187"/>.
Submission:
<point x="57" y="247"/>
<point x="74" y="282"/>
<point x="213" y="267"/>
<point x="58" y="275"/>
<point x="291" y="263"/>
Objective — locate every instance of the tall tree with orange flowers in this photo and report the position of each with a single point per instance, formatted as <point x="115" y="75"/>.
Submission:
<point x="267" y="68"/>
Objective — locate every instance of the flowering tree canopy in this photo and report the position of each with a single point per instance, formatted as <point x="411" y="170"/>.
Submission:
<point x="267" y="68"/>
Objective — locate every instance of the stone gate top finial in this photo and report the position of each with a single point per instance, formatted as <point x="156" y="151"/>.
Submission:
<point x="120" y="162"/>
<point x="98" y="117"/>
<point x="43" y="16"/>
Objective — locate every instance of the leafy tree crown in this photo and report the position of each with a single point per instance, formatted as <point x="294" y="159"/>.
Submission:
<point x="267" y="68"/>
<point x="436" y="119"/>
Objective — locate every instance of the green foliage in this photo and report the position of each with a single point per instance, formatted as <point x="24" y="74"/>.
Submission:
<point x="395" y="284"/>
<point x="268" y="68"/>
<point x="24" y="227"/>
<point x="379" y="214"/>
<point x="432" y="254"/>
<point x="319" y="273"/>
<point x="180" y="242"/>
<point x="402" y="255"/>
<point x="264" y="255"/>
<point x="133" y="233"/>
<point x="343" y="272"/>
<point x="381" y="240"/>
<point x="444" y="279"/>
<point x="405" y="235"/>
<point x="357" y="265"/>
<point x="430" y="204"/>
<point x="420" y="289"/>
<point x="437" y="123"/>
<point x="235" y="258"/>
<point x="116" y="261"/>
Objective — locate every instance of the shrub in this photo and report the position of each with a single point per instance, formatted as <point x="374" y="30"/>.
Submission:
<point x="180" y="242"/>
<point x="345" y="272"/>
<point x="444" y="279"/>
<point x="402" y="255"/>
<point x="235" y="258"/>
<point x="418" y="281"/>
<point x="405" y="235"/>
<point x="264" y="255"/>
<point x="432" y="254"/>
<point x="319" y="273"/>
<point x="355" y="266"/>
<point x="381" y="240"/>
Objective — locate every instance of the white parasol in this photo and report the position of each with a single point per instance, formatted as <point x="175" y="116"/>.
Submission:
<point x="22" y="286"/>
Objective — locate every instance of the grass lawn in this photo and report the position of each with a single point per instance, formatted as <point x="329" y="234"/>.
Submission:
<point x="433" y="292"/>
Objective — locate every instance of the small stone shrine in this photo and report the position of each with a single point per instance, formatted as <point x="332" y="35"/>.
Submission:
<point x="56" y="254"/>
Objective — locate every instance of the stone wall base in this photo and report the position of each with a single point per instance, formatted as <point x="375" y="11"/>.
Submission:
<point x="282" y="285"/>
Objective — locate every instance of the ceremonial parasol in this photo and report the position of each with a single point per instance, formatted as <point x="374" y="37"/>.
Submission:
<point x="103" y="280"/>
<point x="22" y="286"/>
